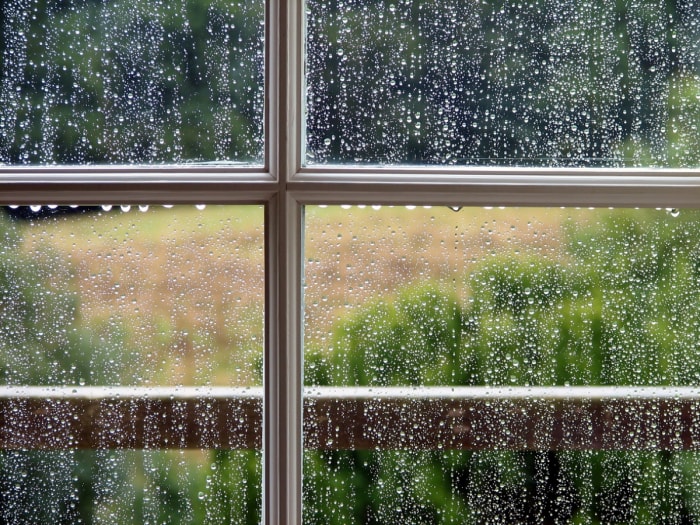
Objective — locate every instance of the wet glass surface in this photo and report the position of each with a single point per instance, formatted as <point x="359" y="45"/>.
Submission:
<point x="495" y="83"/>
<point x="123" y="82"/>
<point x="119" y="297"/>
<point x="504" y="300"/>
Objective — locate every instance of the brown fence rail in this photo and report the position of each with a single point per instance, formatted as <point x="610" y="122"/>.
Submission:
<point x="428" y="418"/>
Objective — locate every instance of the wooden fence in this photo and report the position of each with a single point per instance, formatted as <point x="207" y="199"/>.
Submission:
<point x="361" y="418"/>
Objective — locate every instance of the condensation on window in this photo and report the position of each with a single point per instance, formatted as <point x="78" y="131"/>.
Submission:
<point x="502" y="300"/>
<point x="124" y="297"/>
<point x="534" y="83"/>
<point x="90" y="82"/>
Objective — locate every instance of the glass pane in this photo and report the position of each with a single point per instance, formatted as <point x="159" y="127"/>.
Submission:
<point x="537" y="83"/>
<point x="130" y="487"/>
<point x="498" y="299"/>
<point x="123" y="82"/>
<point x="152" y="296"/>
<point x="122" y="297"/>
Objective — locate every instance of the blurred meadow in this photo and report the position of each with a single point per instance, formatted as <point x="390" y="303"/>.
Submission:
<point x="182" y="288"/>
<point x="394" y="296"/>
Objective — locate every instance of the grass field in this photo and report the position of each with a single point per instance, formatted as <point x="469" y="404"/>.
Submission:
<point x="178" y="293"/>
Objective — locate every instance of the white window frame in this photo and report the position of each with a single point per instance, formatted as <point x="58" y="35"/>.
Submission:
<point x="284" y="186"/>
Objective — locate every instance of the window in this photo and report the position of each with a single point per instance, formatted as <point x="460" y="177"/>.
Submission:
<point x="294" y="158"/>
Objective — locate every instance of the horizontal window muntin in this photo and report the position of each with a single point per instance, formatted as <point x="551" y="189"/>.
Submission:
<point x="519" y="188"/>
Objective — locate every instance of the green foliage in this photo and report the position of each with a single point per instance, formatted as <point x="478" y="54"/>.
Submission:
<point x="448" y="82"/>
<point x="41" y="339"/>
<point x="131" y="82"/>
<point x="233" y="490"/>
<point x="619" y="307"/>
<point x="411" y="341"/>
<point x="505" y="83"/>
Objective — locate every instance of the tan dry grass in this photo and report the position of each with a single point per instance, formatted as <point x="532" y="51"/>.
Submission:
<point x="186" y="286"/>
<point x="183" y="286"/>
<point x="360" y="255"/>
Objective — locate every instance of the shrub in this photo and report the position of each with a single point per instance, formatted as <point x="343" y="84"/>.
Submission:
<point x="618" y="308"/>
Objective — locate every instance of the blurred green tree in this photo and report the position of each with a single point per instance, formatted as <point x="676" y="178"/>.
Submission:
<point x="618" y="308"/>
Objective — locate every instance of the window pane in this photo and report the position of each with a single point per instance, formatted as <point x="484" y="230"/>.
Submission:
<point x="88" y="82"/>
<point x="148" y="297"/>
<point x="130" y="487"/>
<point x="498" y="299"/>
<point x="538" y="83"/>
<point x="130" y="299"/>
